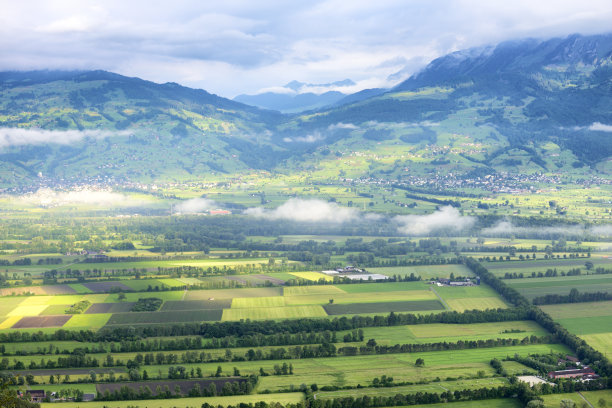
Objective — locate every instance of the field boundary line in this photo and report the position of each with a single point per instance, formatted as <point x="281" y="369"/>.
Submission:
<point x="585" y="400"/>
<point x="440" y="297"/>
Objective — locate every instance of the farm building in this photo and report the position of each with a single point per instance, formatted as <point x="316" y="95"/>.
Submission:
<point x="36" y="395"/>
<point x="584" y="373"/>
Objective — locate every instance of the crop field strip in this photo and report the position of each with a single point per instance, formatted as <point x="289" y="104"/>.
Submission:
<point x="282" y="398"/>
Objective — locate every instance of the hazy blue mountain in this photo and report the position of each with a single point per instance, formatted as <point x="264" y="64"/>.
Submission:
<point x="295" y="97"/>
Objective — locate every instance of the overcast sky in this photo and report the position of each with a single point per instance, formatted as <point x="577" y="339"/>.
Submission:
<point x="234" y="47"/>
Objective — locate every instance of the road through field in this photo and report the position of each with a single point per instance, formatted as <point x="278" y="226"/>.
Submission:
<point x="446" y="306"/>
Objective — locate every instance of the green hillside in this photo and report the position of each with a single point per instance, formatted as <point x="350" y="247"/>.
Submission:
<point x="524" y="107"/>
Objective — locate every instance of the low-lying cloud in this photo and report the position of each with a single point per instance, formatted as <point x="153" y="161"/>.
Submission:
<point x="310" y="138"/>
<point x="22" y="137"/>
<point x="600" y="127"/>
<point x="45" y="197"/>
<point x="446" y="218"/>
<point x="296" y="209"/>
<point x="195" y="205"/>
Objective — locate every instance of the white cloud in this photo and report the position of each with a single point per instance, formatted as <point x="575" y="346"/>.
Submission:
<point x="100" y="198"/>
<point x="310" y="138"/>
<point x="446" y="218"/>
<point x="296" y="209"/>
<point x="195" y="205"/>
<point x="341" y="125"/>
<point x="600" y="127"/>
<point x="20" y="137"/>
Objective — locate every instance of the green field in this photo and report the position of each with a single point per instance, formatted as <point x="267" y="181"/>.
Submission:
<point x="428" y="271"/>
<point x="88" y="321"/>
<point x="384" y="307"/>
<point x="561" y="285"/>
<point x="283" y="398"/>
<point x="593" y="397"/>
<point x="264" y="313"/>
<point x="164" y="317"/>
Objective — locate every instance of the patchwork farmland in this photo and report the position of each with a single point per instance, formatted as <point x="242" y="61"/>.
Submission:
<point x="305" y="329"/>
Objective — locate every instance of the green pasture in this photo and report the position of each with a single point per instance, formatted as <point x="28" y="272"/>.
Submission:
<point x="592" y="397"/>
<point x="574" y="310"/>
<point x="362" y="370"/>
<point x="492" y="403"/>
<point x="535" y="287"/>
<point x="88" y="321"/>
<point x="439" y="332"/>
<point x="134" y="296"/>
<point x="170" y="317"/>
<point x="383" y="287"/>
<point x="282" y="398"/>
<point x="481" y="303"/>
<point x="426" y="271"/>
<point x="587" y="325"/>
<point x="434" y="387"/>
<point x="601" y="342"/>
<point x="266" y="313"/>
<point x="413" y="306"/>
<point x="461" y="292"/>
<point x="231" y="293"/>
<point x="313" y="290"/>
<point x="361" y="297"/>
<point x="255" y="302"/>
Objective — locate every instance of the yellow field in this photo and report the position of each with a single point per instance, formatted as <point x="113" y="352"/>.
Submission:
<point x="312" y="276"/>
<point x="312" y="290"/>
<point x="264" y="313"/>
<point x="483" y="303"/>
<point x="63" y="299"/>
<point x="9" y="322"/>
<point x="270" y="301"/>
<point x="33" y="310"/>
<point x="37" y="300"/>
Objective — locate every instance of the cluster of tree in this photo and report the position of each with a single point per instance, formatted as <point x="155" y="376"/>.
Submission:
<point x="147" y="304"/>
<point x="79" y="307"/>
<point x="373" y="348"/>
<point x="229" y="387"/>
<point x="574" y="296"/>
<point x="585" y="353"/>
<point x="73" y="360"/>
<point x="292" y="326"/>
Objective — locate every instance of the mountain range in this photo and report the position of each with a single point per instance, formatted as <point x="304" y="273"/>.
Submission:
<point x="525" y="106"/>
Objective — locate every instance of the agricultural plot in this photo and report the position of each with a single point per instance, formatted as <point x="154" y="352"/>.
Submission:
<point x="107" y="286"/>
<point x="362" y="370"/>
<point x="591" y="397"/>
<point x="88" y="321"/>
<point x="592" y="321"/>
<point x="312" y="276"/>
<point x="500" y="268"/>
<point x="436" y="387"/>
<point x="282" y="398"/>
<point x="384" y="307"/>
<point x="427" y="271"/>
<point x="463" y="298"/>
<point x="312" y="290"/>
<point x="119" y="319"/>
<point x="364" y="297"/>
<point x="174" y="305"/>
<point x="230" y="293"/>
<point x="110" y="307"/>
<point x="184" y="385"/>
<point x="252" y="302"/>
<point x="561" y="285"/>
<point x="41" y="321"/>
<point x="271" y="313"/>
<point x="383" y="287"/>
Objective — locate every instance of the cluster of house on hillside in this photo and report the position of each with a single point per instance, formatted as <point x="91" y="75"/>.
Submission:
<point x="581" y="371"/>
<point x="354" y="273"/>
<point x="448" y="282"/>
